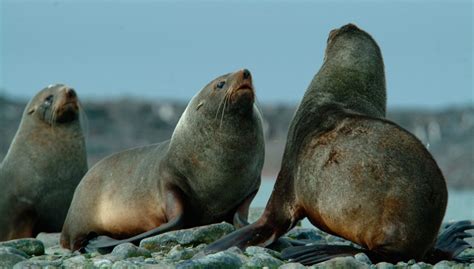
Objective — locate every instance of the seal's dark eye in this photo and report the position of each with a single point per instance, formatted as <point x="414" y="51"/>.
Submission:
<point x="49" y="100"/>
<point x="220" y="85"/>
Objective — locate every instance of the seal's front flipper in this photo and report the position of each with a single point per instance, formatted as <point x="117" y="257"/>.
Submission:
<point x="451" y="243"/>
<point x="174" y="212"/>
<point x="242" y="212"/>
<point x="309" y="255"/>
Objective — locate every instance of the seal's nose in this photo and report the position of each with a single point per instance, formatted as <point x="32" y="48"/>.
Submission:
<point x="246" y="73"/>
<point x="70" y="93"/>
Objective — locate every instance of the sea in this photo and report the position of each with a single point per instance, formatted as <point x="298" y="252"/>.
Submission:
<point x="460" y="202"/>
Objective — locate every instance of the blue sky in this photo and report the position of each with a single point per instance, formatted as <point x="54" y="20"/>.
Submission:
<point x="166" y="49"/>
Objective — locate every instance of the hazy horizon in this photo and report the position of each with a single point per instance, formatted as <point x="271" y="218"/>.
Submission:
<point x="170" y="50"/>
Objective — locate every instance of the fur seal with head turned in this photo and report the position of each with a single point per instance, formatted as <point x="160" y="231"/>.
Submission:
<point x="43" y="166"/>
<point x="351" y="172"/>
<point x="208" y="172"/>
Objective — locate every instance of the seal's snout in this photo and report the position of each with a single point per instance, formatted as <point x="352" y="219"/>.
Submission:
<point x="242" y="90"/>
<point x="243" y="80"/>
<point x="70" y="93"/>
<point x="350" y="27"/>
<point x="246" y="73"/>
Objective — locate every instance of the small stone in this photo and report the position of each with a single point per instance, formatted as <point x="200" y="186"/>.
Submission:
<point x="9" y="259"/>
<point x="343" y="262"/>
<point x="220" y="260"/>
<point x="444" y="265"/>
<point x="306" y="233"/>
<point x="188" y="237"/>
<point x="263" y="259"/>
<point x="128" y="250"/>
<point x="36" y="263"/>
<point x="280" y="244"/>
<point x="385" y="265"/>
<point x="49" y="239"/>
<point x="292" y="265"/>
<point x="79" y="261"/>
<point x="411" y="262"/>
<point x="150" y="261"/>
<point x="362" y="258"/>
<point x="57" y="250"/>
<point x="30" y="246"/>
<point x="178" y="253"/>
<point x="253" y="250"/>
<point x="102" y="263"/>
<point x="125" y="265"/>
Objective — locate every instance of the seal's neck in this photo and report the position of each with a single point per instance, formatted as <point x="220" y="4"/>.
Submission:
<point x="353" y="77"/>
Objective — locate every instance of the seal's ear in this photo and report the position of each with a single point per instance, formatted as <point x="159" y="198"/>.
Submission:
<point x="31" y="110"/>
<point x="200" y="105"/>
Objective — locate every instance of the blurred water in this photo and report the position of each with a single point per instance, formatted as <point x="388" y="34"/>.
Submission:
<point x="460" y="202"/>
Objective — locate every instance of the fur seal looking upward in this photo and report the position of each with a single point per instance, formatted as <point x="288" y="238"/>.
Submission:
<point x="43" y="166"/>
<point x="208" y="172"/>
<point x="351" y="172"/>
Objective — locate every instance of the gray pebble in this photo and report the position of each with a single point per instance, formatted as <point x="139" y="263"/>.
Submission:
<point x="385" y="265"/>
<point x="8" y="260"/>
<point x="220" y="260"/>
<point x="260" y="260"/>
<point x="361" y="257"/>
<point x="128" y="250"/>
<point x="292" y="265"/>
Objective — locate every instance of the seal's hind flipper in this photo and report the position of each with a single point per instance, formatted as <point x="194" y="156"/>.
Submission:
<point x="102" y="244"/>
<point x="311" y="254"/>
<point x="451" y="243"/>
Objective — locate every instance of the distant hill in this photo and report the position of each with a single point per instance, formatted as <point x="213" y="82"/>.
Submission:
<point x="119" y="124"/>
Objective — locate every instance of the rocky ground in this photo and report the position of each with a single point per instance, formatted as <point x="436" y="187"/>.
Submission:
<point x="176" y="250"/>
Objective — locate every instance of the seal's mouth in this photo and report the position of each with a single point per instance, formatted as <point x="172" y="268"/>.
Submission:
<point x="245" y="87"/>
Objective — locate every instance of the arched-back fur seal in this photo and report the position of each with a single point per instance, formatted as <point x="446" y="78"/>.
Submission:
<point x="351" y="172"/>
<point x="43" y="166"/>
<point x="209" y="171"/>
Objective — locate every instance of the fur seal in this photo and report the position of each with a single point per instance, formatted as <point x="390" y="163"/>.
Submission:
<point x="351" y="172"/>
<point x="43" y="166"/>
<point x="208" y="172"/>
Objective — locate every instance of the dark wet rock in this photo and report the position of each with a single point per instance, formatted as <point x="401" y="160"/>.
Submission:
<point x="30" y="246"/>
<point x="228" y="259"/>
<point x="8" y="258"/>
<point x="128" y="250"/>
<point x="188" y="237"/>
<point x="280" y="244"/>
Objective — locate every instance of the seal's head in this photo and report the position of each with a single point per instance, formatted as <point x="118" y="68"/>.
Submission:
<point x="351" y="44"/>
<point x="55" y="104"/>
<point x="230" y="92"/>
